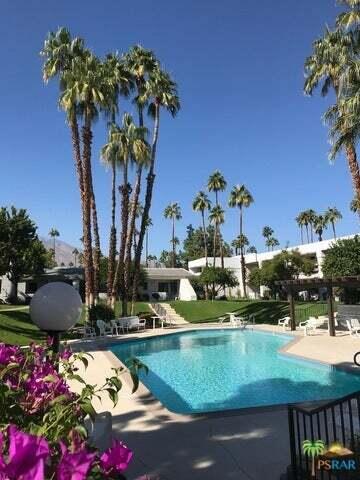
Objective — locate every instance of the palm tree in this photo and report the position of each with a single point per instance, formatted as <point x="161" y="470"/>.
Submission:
<point x="216" y="217"/>
<point x="320" y="223"/>
<point x="128" y="147"/>
<point x="313" y="449"/>
<point x="302" y="221"/>
<point x="310" y="218"/>
<point x="173" y="212"/>
<point x="216" y="184"/>
<point x="53" y="234"/>
<point x="267" y="232"/>
<point x="355" y="205"/>
<point x="161" y="92"/>
<point x="61" y="52"/>
<point x="241" y="197"/>
<point x="140" y="64"/>
<point x="272" y="242"/>
<point x="333" y="215"/>
<point x="200" y="204"/>
<point x="75" y="252"/>
<point x="252" y="249"/>
<point x="332" y="56"/>
<point x="239" y="243"/>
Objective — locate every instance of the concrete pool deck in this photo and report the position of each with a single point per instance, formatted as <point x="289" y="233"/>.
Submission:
<point x="249" y="444"/>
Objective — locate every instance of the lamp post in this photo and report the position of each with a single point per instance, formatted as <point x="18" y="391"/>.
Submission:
<point x="55" y="308"/>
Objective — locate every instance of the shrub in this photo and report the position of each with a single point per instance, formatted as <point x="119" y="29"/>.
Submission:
<point x="42" y="420"/>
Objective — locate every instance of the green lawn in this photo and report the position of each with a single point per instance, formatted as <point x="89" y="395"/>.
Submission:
<point x="16" y="327"/>
<point x="265" y="311"/>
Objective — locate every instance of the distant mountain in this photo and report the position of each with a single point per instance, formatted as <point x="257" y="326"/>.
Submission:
<point x="63" y="251"/>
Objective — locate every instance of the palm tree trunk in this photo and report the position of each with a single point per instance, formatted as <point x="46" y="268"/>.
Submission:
<point x="205" y="237"/>
<point x="112" y="240"/>
<point x="146" y="247"/>
<point x="311" y="232"/>
<point x="173" y="243"/>
<point x="147" y="205"/>
<point x="96" y="250"/>
<point x="87" y="238"/>
<point x="131" y="230"/>
<point x="242" y="259"/>
<point x="307" y="232"/>
<point x="333" y="228"/>
<point x="354" y="169"/>
<point x="221" y="250"/>
<point x="302" y="234"/>
<point x="214" y="246"/>
<point x="119" y="274"/>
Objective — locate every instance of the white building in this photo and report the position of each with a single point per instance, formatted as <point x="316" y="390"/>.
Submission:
<point x="314" y="251"/>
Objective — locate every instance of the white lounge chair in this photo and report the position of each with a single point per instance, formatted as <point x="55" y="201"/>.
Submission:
<point x="222" y="319"/>
<point x="284" y="322"/>
<point x="353" y="326"/>
<point x="311" y="324"/>
<point x="135" y="323"/>
<point x="104" y="329"/>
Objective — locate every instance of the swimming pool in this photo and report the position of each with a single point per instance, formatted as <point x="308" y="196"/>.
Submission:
<point x="209" y="370"/>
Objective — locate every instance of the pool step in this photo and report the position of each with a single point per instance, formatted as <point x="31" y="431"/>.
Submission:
<point x="170" y="313"/>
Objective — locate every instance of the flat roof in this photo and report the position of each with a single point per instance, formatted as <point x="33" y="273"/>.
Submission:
<point x="167" y="273"/>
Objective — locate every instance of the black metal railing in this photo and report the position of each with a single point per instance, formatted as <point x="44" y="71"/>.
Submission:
<point x="335" y="421"/>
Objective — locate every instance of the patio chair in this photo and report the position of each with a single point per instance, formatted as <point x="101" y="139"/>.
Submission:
<point x="353" y="325"/>
<point x="116" y="327"/>
<point x="104" y="329"/>
<point x="88" y="332"/>
<point x="284" y="322"/>
<point x="134" y="323"/>
<point x="311" y="324"/>
<point x="221" y="319"/>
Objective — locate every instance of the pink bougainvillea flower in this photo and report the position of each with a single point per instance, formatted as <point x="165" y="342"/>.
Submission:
<point x="116" y="459"/>
<point x="65" y="354"/>
<point x="27" y="455"/>
<point x="10" y="353"/>
<point x="74" y="466"/>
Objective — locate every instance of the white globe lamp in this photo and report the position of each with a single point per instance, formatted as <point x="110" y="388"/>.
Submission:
<point x="54" y="308"/>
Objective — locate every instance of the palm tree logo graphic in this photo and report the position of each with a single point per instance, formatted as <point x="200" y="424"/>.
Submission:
<point x="313" y="449"/>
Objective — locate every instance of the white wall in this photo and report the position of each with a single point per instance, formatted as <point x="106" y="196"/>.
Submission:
<point x="186" y="291"/>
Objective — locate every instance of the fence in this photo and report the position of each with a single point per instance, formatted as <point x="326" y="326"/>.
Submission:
<point x="336" y="421"/>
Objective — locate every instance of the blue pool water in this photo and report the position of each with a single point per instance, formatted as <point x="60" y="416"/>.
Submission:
<point x="209" y="370"/>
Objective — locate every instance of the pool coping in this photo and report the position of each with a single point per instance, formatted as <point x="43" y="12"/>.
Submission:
<point x="144" y="391"/>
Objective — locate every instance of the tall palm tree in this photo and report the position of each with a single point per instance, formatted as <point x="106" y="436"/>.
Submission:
<point x="267" y="232"/>
<point x="241" y="197"/>
<point x="216" y="184"/>
<point x="272" y="242"/>
<point x="332" y="55"/>
<point x="333" y="215"/>
<point x="201" y="204"/>
<point x="140" y="63"/>
<point x="302" y="221"/>
<point x="320" y="224"/>
<point x="128" y="146"/>
<point x="252" y="249"/>
<point x="173" y="212"/>
<point x="75" y="252"/>
<point x="61" y="52"/>
<point x="239" y="243"/>
<point x="161" y="93"/>
<point x="310" y="218"/>
<point x="53" y="234"/>
<point x="216" y="218"/>
<point x="117" y="75"/>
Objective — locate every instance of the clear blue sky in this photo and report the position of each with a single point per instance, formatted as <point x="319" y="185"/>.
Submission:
<point x="239" y="68"/>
